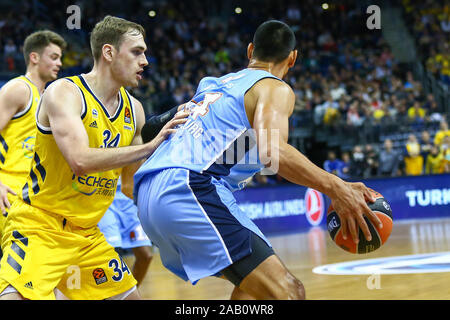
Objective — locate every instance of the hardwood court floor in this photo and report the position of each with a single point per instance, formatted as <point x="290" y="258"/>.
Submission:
<point x="302" y="252"/>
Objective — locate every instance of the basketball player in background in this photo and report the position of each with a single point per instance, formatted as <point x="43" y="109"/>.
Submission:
<point x="184" y="190"/>
<point x="88" y="129"/>
<point x="19" y="98"/>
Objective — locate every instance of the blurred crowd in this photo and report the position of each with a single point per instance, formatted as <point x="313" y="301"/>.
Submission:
<point x="420" y="154"/>
<point x="346" y="80"/>
<point x="430" y="23"/>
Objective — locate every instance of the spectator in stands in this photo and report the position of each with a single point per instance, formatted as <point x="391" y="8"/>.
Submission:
<point x="445" y="145"/>
<point x="164" y="97"/>
<point x="10" y="48"/>
<point x="332" y="164"/>
<point x="444" y="62"/>
<point x="416" y="115"/>
<point x="435" y="161"/>
<point x="354" y="117"/>
<point x="381" y="112"/>
<point x="427" y="104"/>
<point x="401" y="115"/>
<point x="343" y="107"/>
<point x="435" y="113"/>
<point x="413" y="159"/>
<point x="372" y="159"/>
<point x="442" y="133"/>
<point x="344" y="167"/>
<point x="358" y="163"/>
<point x="331" y="117"/>
<point x="445" y="150"/>
<point x="445" y="22"/>
<point x="425" y="144"/>
<point x="321" y="109"/>
<point x="389" y="161"/>
<point x="9" y="51"/>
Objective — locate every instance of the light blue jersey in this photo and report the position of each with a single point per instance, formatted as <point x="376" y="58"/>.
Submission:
<point x="217" y="139"/>
<point x="184" y="190"/>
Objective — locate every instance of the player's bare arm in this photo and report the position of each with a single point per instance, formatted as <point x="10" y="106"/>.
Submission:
<point x="14" y="97"/>
<point x="273" y="104"/>
<point x="60" y="110"/>
<point x="128" y="171"/>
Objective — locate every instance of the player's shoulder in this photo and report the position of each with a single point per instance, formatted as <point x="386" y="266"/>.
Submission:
<point x="272" y="86"/>
<point x="62" y="90"/>
<point x="135" y="101"/>
<point x="61" y="86"/>
<point x="16" y="92"/>
<point x="16" y="86"/>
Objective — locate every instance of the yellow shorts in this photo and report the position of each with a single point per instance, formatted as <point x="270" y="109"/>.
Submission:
<point x="42" y="250"/>
<point x="11" y="199"/>
<point x="14" y="183"/>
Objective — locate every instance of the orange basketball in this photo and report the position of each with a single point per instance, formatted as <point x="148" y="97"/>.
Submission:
<point x="379" y="236"/>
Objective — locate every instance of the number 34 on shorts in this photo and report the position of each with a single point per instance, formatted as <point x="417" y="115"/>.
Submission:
<point x="118" y="268"/>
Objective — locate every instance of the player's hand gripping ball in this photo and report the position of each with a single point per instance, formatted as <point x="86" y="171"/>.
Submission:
<point x="379" y="235"/>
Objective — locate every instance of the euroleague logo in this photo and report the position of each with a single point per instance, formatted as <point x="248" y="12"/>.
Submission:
<point x="315" y="206"/>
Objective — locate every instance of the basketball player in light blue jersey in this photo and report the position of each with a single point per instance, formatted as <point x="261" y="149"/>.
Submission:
<point x="122" y="229"/>
<point x="238" y="126"/>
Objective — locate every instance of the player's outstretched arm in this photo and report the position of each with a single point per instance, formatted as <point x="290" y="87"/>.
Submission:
<point x="60" y="110"/>
<point x="274" y="105"/>
<point x="156" y="131"/>
<point x="14" y="97"/>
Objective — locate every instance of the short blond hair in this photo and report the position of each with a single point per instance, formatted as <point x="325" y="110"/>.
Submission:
<point x="37" y="41"/>
<point x="110" y="31"/>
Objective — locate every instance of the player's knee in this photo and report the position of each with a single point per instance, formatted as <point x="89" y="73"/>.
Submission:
<point x="290" y="288"/>
<point x="297" y="290"/>
<point x="12" y="296"/>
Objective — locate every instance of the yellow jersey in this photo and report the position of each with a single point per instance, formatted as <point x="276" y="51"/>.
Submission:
<point x="52" y="186"/>
<point x="17" y="142"/>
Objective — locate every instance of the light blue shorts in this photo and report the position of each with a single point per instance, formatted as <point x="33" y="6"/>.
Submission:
<point x="195" y="222"/>
<point x="121" y="225"/>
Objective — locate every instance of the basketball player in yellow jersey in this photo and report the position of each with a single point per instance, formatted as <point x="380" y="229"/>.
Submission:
<point x="88" y="129"/>
<point x="19" y="98"/>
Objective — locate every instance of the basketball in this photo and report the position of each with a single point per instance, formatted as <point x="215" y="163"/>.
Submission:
<point x="379" y="236"/>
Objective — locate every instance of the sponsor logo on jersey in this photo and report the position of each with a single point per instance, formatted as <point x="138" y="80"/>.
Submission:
<point x="28" y="147"/>
<point x="93" y="124"/>
<point x="127" y="115"/>
<point x="101" y="186"/>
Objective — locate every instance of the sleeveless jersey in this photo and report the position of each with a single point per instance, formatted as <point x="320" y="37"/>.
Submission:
<point x="217" y="138"/>
<point x="51" y="184"/>
<point x="17" y="141"/>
